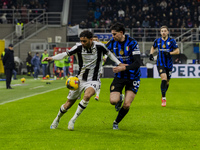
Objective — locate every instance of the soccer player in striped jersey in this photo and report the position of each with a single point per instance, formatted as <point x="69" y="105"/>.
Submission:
<point x="126" y="49"/>
<point x="90" y="56"/>
<point x="166" y="47"/>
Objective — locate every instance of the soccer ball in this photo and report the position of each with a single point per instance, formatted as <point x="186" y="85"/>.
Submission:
<point x="47" y="76"/>
<point x="23" y="80"/>
<point x="72" y="83"/>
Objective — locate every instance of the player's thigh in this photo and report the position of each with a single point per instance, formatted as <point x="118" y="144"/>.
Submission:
<point x="89" y="92"/>
<point x="76" y="94"/>
<point x="114" y="97"/>
<point x="91" y="87"/>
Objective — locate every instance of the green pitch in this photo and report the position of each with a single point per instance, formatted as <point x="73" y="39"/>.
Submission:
<point x="27" y="111"/>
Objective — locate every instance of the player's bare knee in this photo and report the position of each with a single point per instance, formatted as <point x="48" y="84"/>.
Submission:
<point x="113" y="101"/>
<point x="126" y="105"/>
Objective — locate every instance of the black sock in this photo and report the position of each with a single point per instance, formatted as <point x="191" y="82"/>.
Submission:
<point x="163" y="87"/>
<point x="167" y="87"/>
<point x="121" y="114"/>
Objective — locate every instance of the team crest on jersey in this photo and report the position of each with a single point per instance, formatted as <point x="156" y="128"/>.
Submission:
<point x="164" y="46"/>
<point x="168" y="43"/>
<point x="127" y="48"/>
<point x="121" y="52"/>
<point x="112" y="87"/>
<point x="160" y="70"/>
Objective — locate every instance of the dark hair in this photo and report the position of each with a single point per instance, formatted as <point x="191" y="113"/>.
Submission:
<point x="118" y="27"/>
<point x="37" y="53"/>
<point x="95" y="36"/>
<point x="88" y="34"/>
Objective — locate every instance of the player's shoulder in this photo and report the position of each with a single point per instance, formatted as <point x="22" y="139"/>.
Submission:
<point x="171" y="39"/>
<point x="131" y="40"/>
<point x="157" y="39"/>
<point x="98" y="44"/>
<point x="78" y="44"/>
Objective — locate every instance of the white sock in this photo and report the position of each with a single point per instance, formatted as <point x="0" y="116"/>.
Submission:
<point x="81" y="106"/>
<point x="61" y="112"/>
<point x="98" y="92"/>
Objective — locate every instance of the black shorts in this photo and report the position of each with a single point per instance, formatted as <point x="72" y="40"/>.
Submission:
<point x="118" y="84"/>
<point x="162" y="69"/>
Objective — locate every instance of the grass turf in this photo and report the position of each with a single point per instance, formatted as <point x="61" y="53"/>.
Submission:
<point x="24" y="123"/>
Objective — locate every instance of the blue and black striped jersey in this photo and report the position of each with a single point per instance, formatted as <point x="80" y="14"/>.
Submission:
<point x="125" y="51"/>
<point x="165" y="46"/>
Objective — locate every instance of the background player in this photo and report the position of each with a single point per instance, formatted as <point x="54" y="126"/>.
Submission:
<point x="126" y="49"/>
<point x="166" y="47"/>
<point x="95" y="38"/>
<point x="89" y="55"/>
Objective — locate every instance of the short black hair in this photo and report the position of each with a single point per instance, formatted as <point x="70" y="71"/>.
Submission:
<point x="95" y="36"/>
<point x="86" y="33"/>
<point x="118" y="27"/>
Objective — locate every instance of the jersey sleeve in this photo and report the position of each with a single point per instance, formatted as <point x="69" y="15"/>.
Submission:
<point x="155" y="44"/>
<point x="174" y="44"/>
<point x="135" y="49"/>
<point x="109" y="45"/>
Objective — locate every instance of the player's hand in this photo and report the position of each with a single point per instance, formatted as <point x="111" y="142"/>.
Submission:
<point x="121" y="64"/>
<point x="47" y="59"/>
<point x="151" y="57"/>
<point x="119" y="69"/>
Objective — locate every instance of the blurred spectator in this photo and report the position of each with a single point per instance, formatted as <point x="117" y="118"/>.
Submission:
<point x="95" y="24"/>
<point x="189" y="23"/>
<point x="97" y="14"/>
<point x="82" y="25"/>
<point x="4" y="6"/>
<point x="121" y="13"/>
<point x="145" y="7"/>
<point x="145" y="23"/>
<point x="108" y="22"/>
<point x="17" y="16"/>
<point x="163" y="4"/>
<point x="4" y="19"/>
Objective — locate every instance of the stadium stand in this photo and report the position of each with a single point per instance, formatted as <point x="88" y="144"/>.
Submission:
<point x="146" y="13"/>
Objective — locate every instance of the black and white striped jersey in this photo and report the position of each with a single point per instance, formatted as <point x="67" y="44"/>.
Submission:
<point x="89" y="60"/>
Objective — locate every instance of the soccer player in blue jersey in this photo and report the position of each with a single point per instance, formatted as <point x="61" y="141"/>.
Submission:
<point x="166" y="47"/>
<point x="127" y="51"/>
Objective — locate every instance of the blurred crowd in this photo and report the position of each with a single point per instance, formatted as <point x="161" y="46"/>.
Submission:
<point x="21" y="10"/>
<point x="143" y="13"/>
<point x="23" y="4"/>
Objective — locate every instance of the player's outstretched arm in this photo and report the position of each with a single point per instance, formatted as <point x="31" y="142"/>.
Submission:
<point x="47" y="59"/>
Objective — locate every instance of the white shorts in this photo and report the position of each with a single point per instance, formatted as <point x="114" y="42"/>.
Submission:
<point x="73" y="95"/>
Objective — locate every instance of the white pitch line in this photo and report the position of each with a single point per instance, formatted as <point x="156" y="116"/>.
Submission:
<point x="36" y="87"/>
<point x="30" y="96"/>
